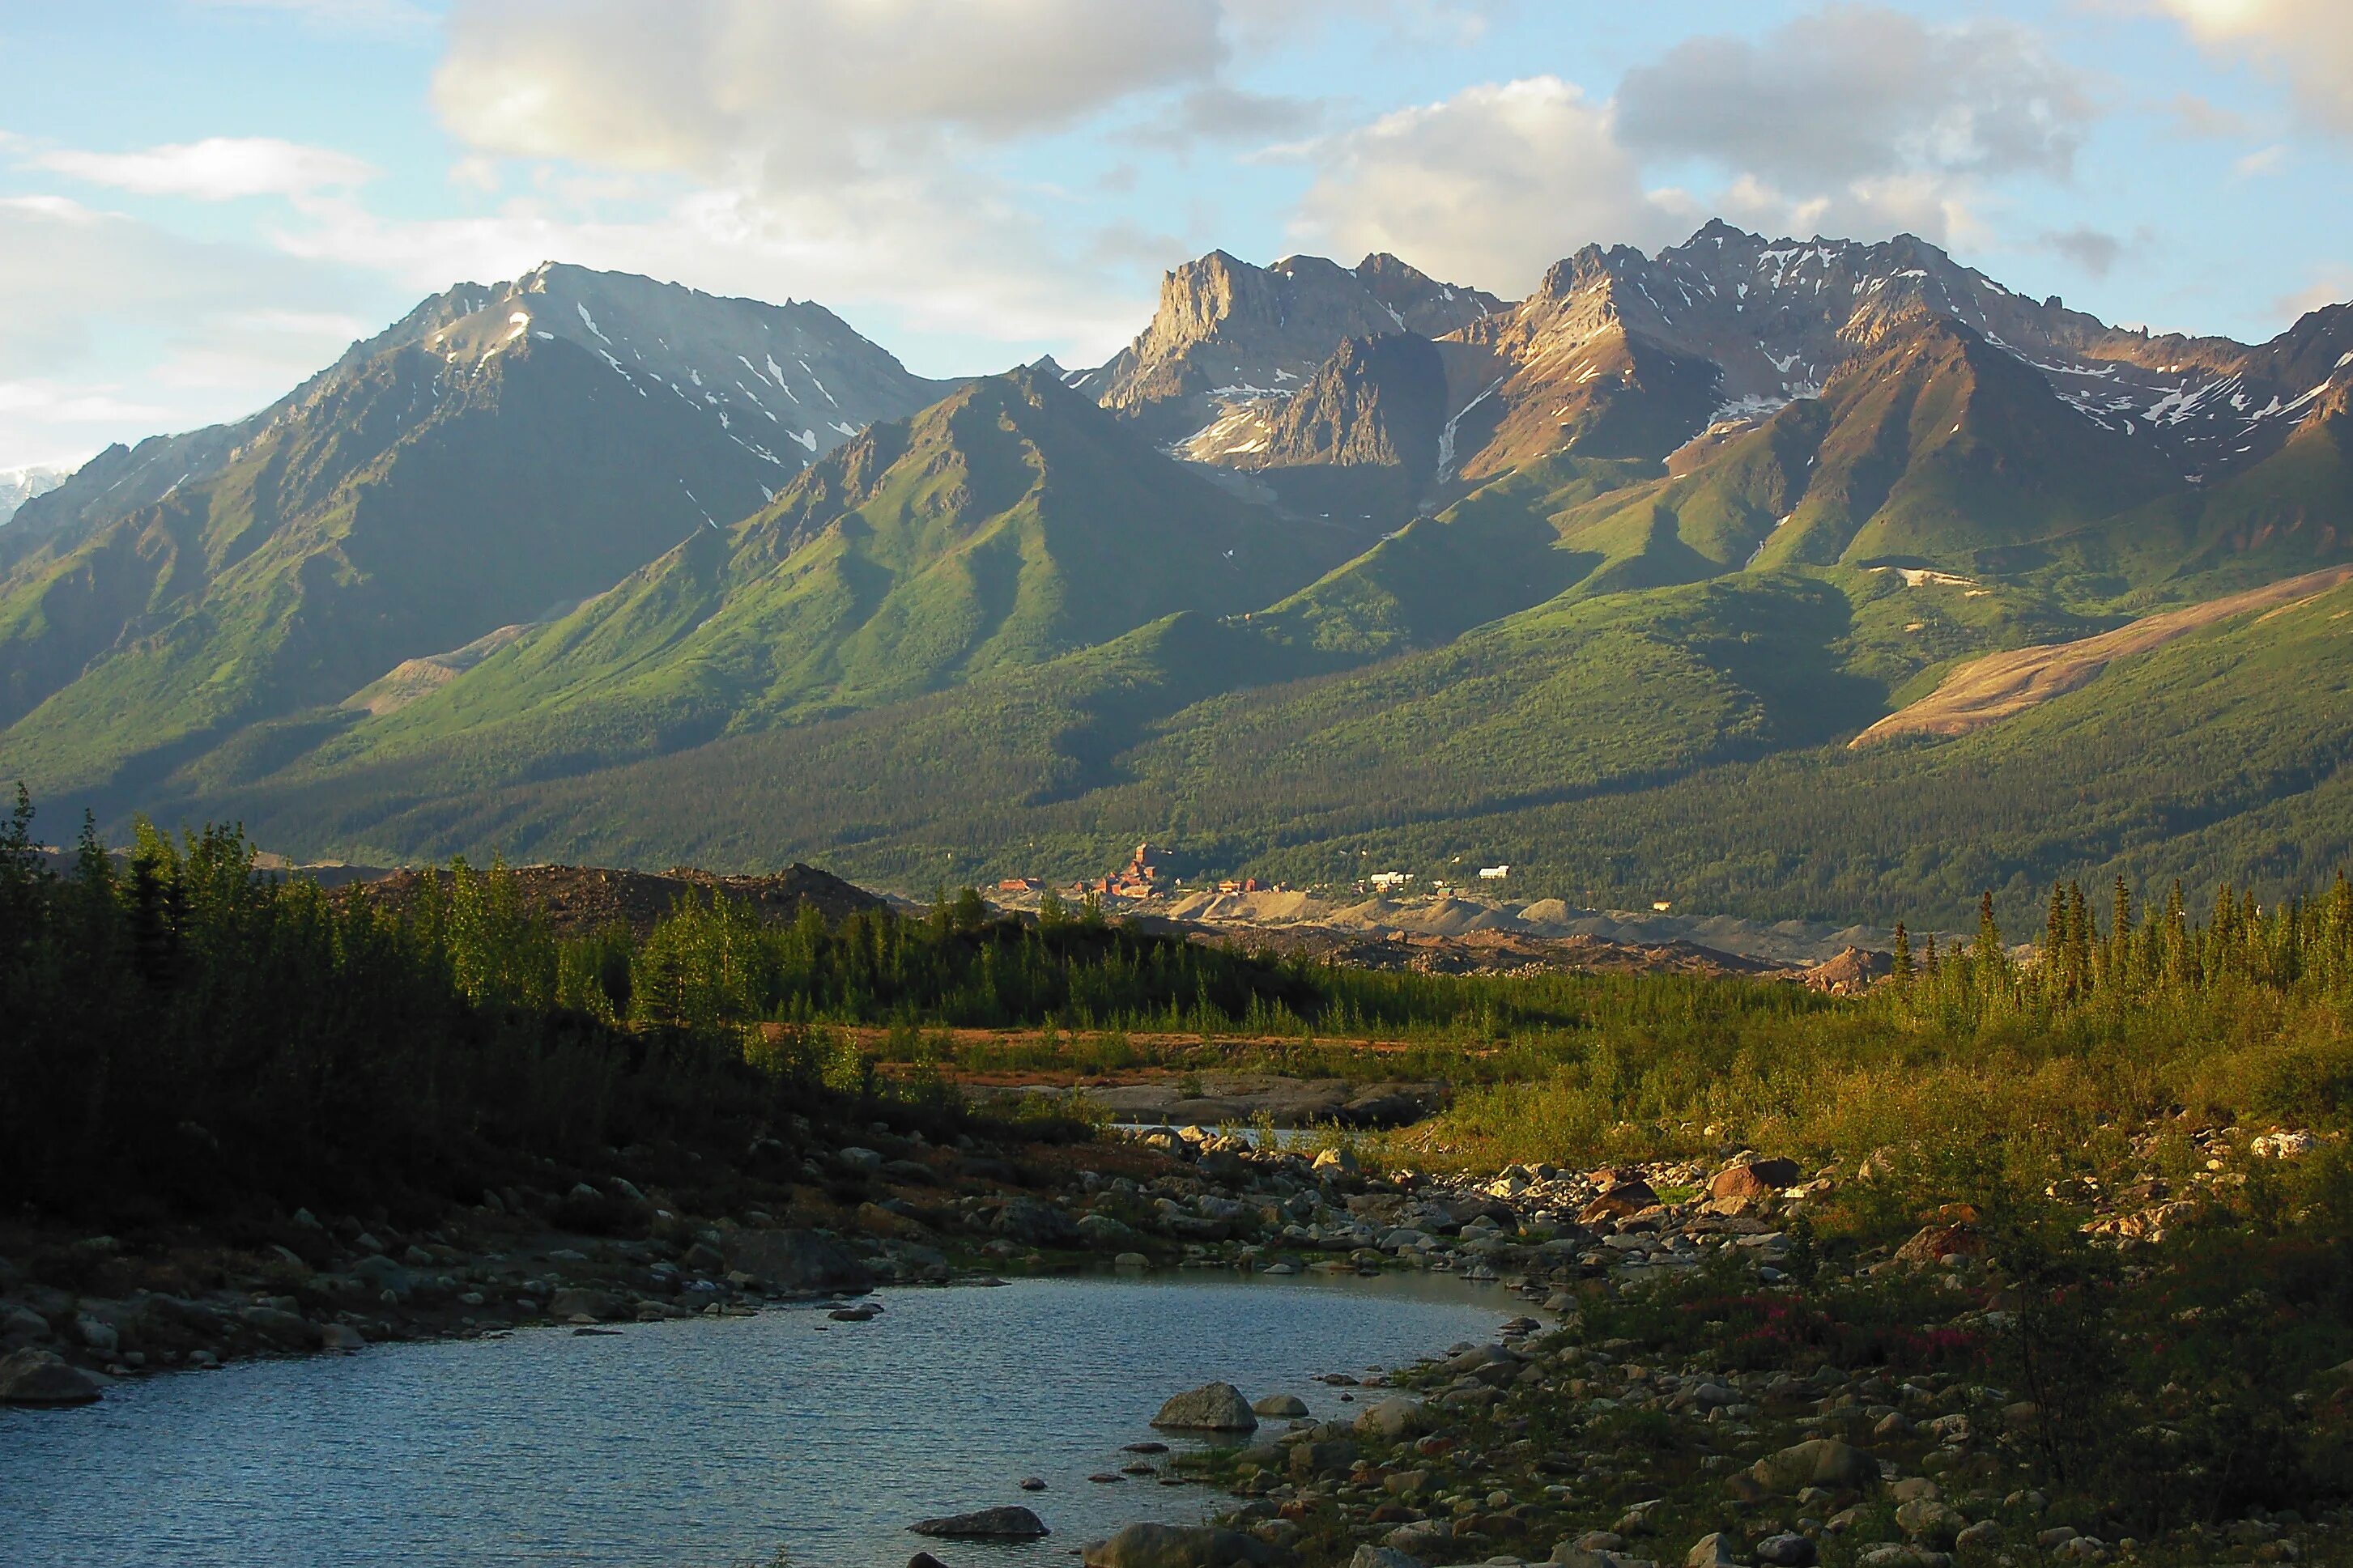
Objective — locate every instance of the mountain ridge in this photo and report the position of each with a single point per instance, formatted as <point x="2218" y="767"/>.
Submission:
<point x="1468" y="575"/>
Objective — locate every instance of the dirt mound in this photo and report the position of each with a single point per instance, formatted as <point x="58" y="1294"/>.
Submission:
<point x="578" y="900"/>
<point x="1850" y="972"/>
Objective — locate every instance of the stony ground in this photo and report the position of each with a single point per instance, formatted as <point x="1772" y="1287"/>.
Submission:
<point x="1582" y="1437"/>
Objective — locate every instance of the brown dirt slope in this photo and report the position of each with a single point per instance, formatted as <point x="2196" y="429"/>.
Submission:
<point x="2003" y="684"/>
<point x="578" y="900"/>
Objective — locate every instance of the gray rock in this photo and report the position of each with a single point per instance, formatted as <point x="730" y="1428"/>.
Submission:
<point x="576" y="1301"/>
<point x="1929" y="1520"/>
<point x="1213" y="1408"/>
<point x="35" y="1377"/>
<point x="1371" y="1556"/>
<point x="1894" y="1554"/>
<point x="865" y="1162"/>
<point x="1280" y="1407"/>
<point x="1394" y="1419"/>
<point x="1106" y="1234"/>
<point x="1712" y="1551"/>
<point x="1009" y="1523"/>
<point x="340" y="1337"/>
<point x="1035" y="1224"/>
<point x="380" y="1273"/>
<point x="23" y="1324"/>
<point x="800" y="1262"/>
<point x="101" y="1337"/>
<point x="1789" y="1550"/>
<point x="1986" y="1532"/>
<point x="1817" y="1462"/>
<point x="281" y="1328"/>
<point x="1424" y="1538"/>
<point x="1179" y="1546"/>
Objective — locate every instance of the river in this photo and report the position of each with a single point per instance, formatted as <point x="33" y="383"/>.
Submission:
<point x="712" y="1442"/>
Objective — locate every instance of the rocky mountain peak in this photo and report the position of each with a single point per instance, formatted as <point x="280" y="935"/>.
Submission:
<point x="1228" y="333"/>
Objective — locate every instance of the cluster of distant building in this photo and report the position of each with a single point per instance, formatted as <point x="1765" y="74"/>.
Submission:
<point x="1146" y="876"/>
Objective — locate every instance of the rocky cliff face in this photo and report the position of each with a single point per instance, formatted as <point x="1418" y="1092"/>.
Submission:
<point x="1228" y="333"/>
<point x="1625" y="355"/>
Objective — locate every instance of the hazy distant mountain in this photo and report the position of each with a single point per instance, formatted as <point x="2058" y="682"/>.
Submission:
<point x="18" y="486"/>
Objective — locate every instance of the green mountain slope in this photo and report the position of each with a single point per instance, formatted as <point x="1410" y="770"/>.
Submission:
<point x="1011" y="523"/>
<point x="413" y="508"/>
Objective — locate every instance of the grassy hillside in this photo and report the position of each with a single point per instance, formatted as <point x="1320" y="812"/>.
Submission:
<point x="1009" y="525"/>
<point x="410" y="511"/>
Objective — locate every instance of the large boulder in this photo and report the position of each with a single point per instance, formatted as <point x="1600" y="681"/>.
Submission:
<point x="1712" y="1550"/>
<point x="1009" y="1524"/>
<point x="1213" y="1408"/>
<point x="1106" y="1234"/>
<point x="1280" y="1407"/>
<point x="1035" y="1224"/>
<point x="1929" y="1522"/>
<point x="37" y="1376"/>
<point x="1394" y="1419"/>
<point x="598" y="1306"/>
<point x="799" y="1262"/>
<point x="290" y="1330"/>
<point x="1817" y="1462"/>
<point x="1755" y="1179"/>
<point x="1371" y="1556"/>
<point x="1630" y="1197"/>
<point x="1179" y="1546"/>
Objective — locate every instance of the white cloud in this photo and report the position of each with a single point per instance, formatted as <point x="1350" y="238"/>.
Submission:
<point x="216" y="169"/>
<point x="2261" y="161"/>
<point x="2309" y="42"/>
<point x="1861" y="120"/>
<point x="1489" y="187"/>
<point x="116" y="329"/>
<point x="2329" y="286"/>
<point x="1857" y="93"/>
<point x="840" y="149"/>
<point x="804" y="88"/>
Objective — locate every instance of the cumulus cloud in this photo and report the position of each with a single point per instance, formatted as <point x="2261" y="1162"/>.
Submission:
<point x="2307" y="42"/>
<point x="216" y="169"/>
<point x="1858" y="118"/>
<point x="1856" y="92"/>
<point x="117" y="328"/>
<point x="2093" y="250"/>
<point x="803" y="86"/>
<point x="1488" y="188"/>
<point x="2329" y="286"/>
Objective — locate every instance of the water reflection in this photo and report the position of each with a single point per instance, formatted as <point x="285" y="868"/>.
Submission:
<point x="705" y="1442"/>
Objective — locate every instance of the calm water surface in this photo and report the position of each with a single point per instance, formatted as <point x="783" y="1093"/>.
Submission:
<point x="715" y="1441"/>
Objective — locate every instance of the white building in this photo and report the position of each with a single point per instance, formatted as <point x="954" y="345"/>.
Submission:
<point x="1493" y="873"/>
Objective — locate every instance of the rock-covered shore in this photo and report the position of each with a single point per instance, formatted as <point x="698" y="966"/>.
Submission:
<point x="1563" y="1441"/>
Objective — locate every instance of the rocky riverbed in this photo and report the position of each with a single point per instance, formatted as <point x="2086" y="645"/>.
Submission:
<point x="1588" y="1436"/>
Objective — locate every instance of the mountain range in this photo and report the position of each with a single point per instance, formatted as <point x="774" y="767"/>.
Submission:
<point x="1334" y="567"/>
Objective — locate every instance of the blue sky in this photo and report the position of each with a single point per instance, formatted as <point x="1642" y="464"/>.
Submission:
<point x="202" y="201"/>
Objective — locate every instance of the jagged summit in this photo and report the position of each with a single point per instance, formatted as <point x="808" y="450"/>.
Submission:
<point x="1624" y="353"/>
<point x="1227" y="332"/>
